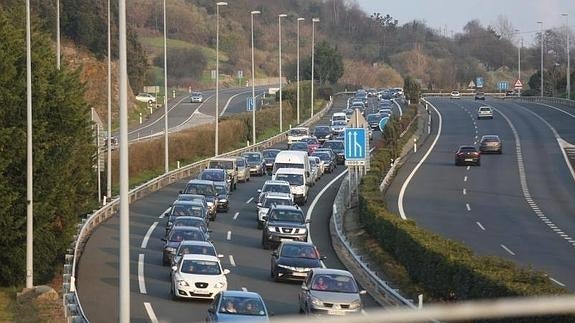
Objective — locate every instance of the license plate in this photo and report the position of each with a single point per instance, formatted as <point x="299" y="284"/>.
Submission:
<point x="285" y="239"/>
<point x="300" y="274"/>
<point x="333" y="312"/>
<point x="469" y="159"/>
<point x="201" y="292"/>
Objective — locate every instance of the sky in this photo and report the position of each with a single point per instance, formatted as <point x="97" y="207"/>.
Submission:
<point x="452" y="15"/>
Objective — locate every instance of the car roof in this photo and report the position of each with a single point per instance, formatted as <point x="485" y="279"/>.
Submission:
<point x="213" y="170"/>
<point x="288" y="207"/>
<point x="189" y="217"/>
<point x="240" y="293"/>
<point x="223" y="159"/>
<point x="490" y="136"/>
<point x="298" y="243"/>
<point x="187" y="228"/>
<point x="271" y="149"/>
<point x="196" y="243"/>
<point x="191" y="256"/>
<point x="201" y="181"/>
<point x="184" y="197"/>
<point x="290" y="171"/>
<point x="331" y="271"/>
<point x="278" y="195"/>
<point x="275" y="182"/>
<point x="300" y="128"/>
<point x="187" y="202"/>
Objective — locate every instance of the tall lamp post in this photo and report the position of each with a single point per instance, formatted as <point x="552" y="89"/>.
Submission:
<point x="519" y="46"/>
<point x="109" y="139"/>
<point x="216" y="150"/>
<point x="298" y="87"/>
<point x="255" y="12"/>
<point x="58" y="34"/>
<point x="280" y="16"/>
<point x="567" y="36"/>
<point x="29" y="169"/>
<point x="166" y="151"/>
<point x="313" y="21"/>
<point x="542" y="36"/>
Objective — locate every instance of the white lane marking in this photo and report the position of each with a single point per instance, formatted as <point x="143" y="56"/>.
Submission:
<point x="522" y="173"/>
<point x="406" y="183"/>
<point x="467" y="207"/>
<point x="399" y="107"/>
<point x="230" y="100"/>
<point x="468" y="167"/>
<point x="236" y="215"/>
<point x="556" y="282"/>
<point x="244" y="289"/>
<point x="157" y="120"/>
<point x="150" y="312"/>
<point x="552" y="107"/>
<point x="141" y="282"/>
<point x="164" y="213"/>
<point x="229" y="237"/>
<point x="480" y="226"/>
<point x="148" y="234"/>
<point x="250" y="200"/>
<point x="507" y="249"/>
<point x="464" y="192"/>
<point x="465" y="179"/>
<point x="232" y="261"/>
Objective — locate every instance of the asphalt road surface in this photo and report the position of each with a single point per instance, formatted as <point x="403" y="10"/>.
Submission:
<point x="518" y="205"/>
<point x="235" y="236"/>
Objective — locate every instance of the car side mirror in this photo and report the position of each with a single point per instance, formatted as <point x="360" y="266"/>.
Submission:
<point x="259" y="190"/>
<point x="307" y="220"/>
<point x="275" y="253"/>
<point x="304" y="287"/>
<point x="164" y="239"/>
<point x="260" y="204"/>
<point x="211" y="310"/>
<point x="322" y="258"/>
<point x="265" y="218"/>
<point x="220" y="256"/>
<point x="181" y="192"/>
<point x="174" y="268"/>
<point x="226" y="271"/>
<point x="362" y="292"/>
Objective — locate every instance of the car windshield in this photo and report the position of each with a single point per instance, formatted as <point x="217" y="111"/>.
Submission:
<point x="270" y="153"/>
<point x="186" y="249"/>
<point x="339" y="123"/>
<point x="299" y="146"/>
<point x="292" y="179"/>
<point x="335" y="145"/>
<point x="484" y="109"/>
<point x="252" y="157"/>
<point x="276" y="188"/>
<point x="287" y="216"/>
<point x="216" y="176"/>
<point x="322" y="131"/>
<point x="298" y="132"/>
<point x="322" y="156"/>
<point x="221" y="189"/>
<point x="373" y="117"/>
<point x="299" y="251"/>
<point x="186" y="210"/>
<point x="334" y="283"/>
<point x="200" y="267"/>
<point x="179" y="235"/>
<point x="189" y="222"/>
<point x="241" y="163"/>
<point x="200" y="189"/>
<point x="269" y="202"/>
<point x="238" y="305"/>
<point x="222" y="164"/>
<point x="310" y="140"/>
<point x="467" y="149"/>
<point x="287" y="165"/>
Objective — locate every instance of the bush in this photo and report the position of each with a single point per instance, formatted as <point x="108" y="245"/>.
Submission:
<point x="184" y="62"/>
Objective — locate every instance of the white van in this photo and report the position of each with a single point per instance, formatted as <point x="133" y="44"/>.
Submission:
<point x="293" y="159"/>
<point x="297" y="134"/>
<point x="339" y="116"/>
<point x="296" y="177"/>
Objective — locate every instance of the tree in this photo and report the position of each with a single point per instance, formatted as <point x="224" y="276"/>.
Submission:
<point x="328" y="63"/>
<point x="64" y="180"/>
<point x="412" y="89"/>
<point x="184" y="63"/>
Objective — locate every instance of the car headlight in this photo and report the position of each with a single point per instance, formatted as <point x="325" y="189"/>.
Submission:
<point x="170" y="223"/>
<point x="271" y="229"/>
<point x="220" y="285"/>
<point x="287" y="267"/>
<point x="210" y="204"/>
<point x="171" y="250"/>
<point x="183" y="283"/>
<point x="303" y="230"/>
<point x="316" y="301"/>
<point x="355" y="304"/>
<point x="223" y="200"/>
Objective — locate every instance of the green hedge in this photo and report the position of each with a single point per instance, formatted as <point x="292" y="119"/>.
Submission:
<point x="446" y="269"/>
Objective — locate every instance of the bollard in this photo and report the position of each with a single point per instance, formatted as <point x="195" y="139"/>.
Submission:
<point x="173" y="94"/>
<point x="248" y="144"/>
<point x="189" y="89"/>
<point x="420" y="301"/>
<point x="178" y="164"/>
<point x="151" y="109"/>
<point x="140" y="117"/>
<point x="105" y="200"/>
<point x="414" y="145"/>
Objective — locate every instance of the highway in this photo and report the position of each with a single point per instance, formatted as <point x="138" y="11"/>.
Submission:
<point x="235" y="236"/>
<point x="182" y="114"/>
<point x="518" y="205"/>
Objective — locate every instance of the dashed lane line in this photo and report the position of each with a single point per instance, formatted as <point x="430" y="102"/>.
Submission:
<point x="464" y="191"/>
<point x="236" y="215"/>
<point x="468" y="167"/>
<point x="465" y="179"/>
<point x="148" y="234"/>
<point x="164" y="213"/>
<point x="507" y="249"/>
<point x="229" y="236"/>
<point x="468" y="207"/>
<point x="151" y="314"/>
<point x="480" y="225"/>
<point x="141" y="281"/>
<point x="232" y="261"/>
<point x="250" y="200"/>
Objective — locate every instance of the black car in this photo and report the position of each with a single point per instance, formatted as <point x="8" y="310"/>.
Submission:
<point x="270" y="157"/>
<point x="284" y="223"/>
<point x="373" y="120"/>
<point x="299" y="146"/>
<point x="322" y="133"/>
<point x="292" y="260"/>
<point x="189" y="221"/>
<point x="223" y="199"/>
<point x="480" y="96"/>
<point x="216" y="175"/>
<point x="185" y="208"/>
<point x="256" y="162"/>
<point x="328" y="160"/>
<point x="466" y="155"/>
<point x="338" y="148"/>
<point x="205" y="188"/>
<point x="177" y="235"/>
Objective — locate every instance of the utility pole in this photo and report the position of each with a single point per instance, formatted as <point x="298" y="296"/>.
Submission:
<point x="280" y="16"/>
<point x="542" y="36"/>
<point x="568" y="36"/>
<point x="166" y="130"/>
<point x="29" y="168"/>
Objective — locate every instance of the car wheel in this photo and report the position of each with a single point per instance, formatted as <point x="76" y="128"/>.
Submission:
<point x="500" y="151"/>
<point x="260" y="225"/>
<point x="265" y="244"/>
<point x="478" y="163"/>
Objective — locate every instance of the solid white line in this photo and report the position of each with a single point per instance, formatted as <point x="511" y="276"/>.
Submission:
<point x="244" y="289"/>
<point x="229" y="237"/>
<point x="141" y="281"/>
<point x="157" y="120"/>
<point x="232" y="261"/>
<point x="148" y="234"/>
<point x="236" y="215"/>
<point x="560" y="110"/>
<point x="164" y="213"/>
<point x="467" y="207"/>
<point x="150" y="312"/>
<point x="557" y="282"/>
<point x="464" y="192"/>
<point x="230" y="100"/>
<point x="507" y="249"/>
<point x="465" y="179"/>
<point x="406" y="183"/>
<point x="250" y="200"/>
<point x="480" y="226"/>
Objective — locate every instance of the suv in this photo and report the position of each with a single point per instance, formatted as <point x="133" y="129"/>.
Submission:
<point x="205" y="188"/>
<point x="270" y="200"/>
<point x="256" y="162"/>
<point x="485" y="112"/>
<point x="231" y="167"/>
<point x="217" y="175"/>
<point x="295" y="134"/>
<point x="284" y="223"/>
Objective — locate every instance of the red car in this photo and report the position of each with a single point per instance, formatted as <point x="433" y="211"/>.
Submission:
<point x="312" y="144"/>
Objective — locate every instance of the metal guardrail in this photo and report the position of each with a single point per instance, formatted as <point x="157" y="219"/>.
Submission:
<point x="72" y="306"/>
<point x="545" y="99"/>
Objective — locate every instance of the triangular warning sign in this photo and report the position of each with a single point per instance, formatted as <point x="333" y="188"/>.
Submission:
<point x="471" y="85"/>
<point x="518" y="84"/>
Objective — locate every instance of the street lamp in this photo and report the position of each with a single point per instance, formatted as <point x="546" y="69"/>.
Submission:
<point x="541" y="25"/>
<point x="313" y="21"/>
<point x="280" y="16"/>
<point x="520" y="45"/>
<point x="58" y="34"/>
<point x="109" y="139"/>
<point x="216" y="151"/>
<point x="256" y="12"/>
<point x="166" y="158"/>
<point x="29" y="169"/>
<point x="567" y="36"/>
<point x="298" y="87"/>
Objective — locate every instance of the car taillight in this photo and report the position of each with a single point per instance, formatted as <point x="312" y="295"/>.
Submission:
<point x="459" y="154"/>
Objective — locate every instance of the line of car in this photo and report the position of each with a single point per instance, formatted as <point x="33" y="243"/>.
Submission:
<point x="471" y="154"/>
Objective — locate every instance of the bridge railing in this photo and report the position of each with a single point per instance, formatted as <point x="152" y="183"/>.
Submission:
<point x="72" y="305"/>
<point x="546" y="99"/>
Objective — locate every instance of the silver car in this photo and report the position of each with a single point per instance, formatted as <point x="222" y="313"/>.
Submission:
<point x="331" y="292"/>
<point x="196" y="97"/>
<point x="243" y="169"/>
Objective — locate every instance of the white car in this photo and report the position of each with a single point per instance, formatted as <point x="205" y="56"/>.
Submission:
<point x="485" y="112"/>
<point x="455" y="95"/>
<point x="315" y="172"/>
<point x="273" y="186"/>
<point x="146" y="97"/>
<point x="198" y="276"/>
<point x="320" y="165"/>
<point x="296" y="134"/>
<point x="272" y="199"/>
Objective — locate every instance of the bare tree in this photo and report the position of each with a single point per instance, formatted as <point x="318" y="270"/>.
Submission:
<point x="504" y="28"/>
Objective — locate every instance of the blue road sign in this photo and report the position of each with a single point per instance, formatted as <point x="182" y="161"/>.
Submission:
<point x="479" y="82"/>
<point x="355" y="143"/>
<point x="383" y="123"/>
<point x="249" y="104"/>
<point x="502" y="85"/>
